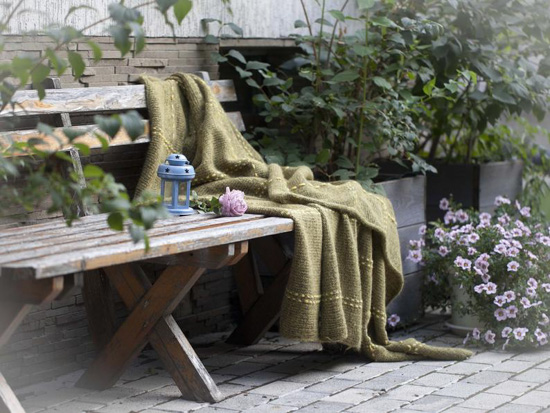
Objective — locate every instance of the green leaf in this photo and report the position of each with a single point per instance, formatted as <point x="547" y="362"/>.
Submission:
<point x="254" y="65"/>
<point x="237" y="55"/>
<point x="210" y="20"/>
<point x="45" y="129"/>
<point x="383" y="21"/>
<point x="381" y="82"/>
<point x="324" y="22"/>
<point x="39" y="73"/>
<point x="82" y="148"/>
<point x="298" y="24"/>
<point x="362" y="51"/>
<point x="502" y="96"/>
<point x="236" y="29"/>
<point x="92" y="171"/>
<point x="164" y="5"/>
<point x="428" y="87"/>
<point x="243" y="73"/>
<point x="58" y="64"/>
<point x="116" y="221"/>
<point x="148" y="216"/>
<point x="365" y="4"/>
<point x="137" y="233"/>
<point x="181" y="9"/>
<point x="64" y="156"/>
<point x="345" y="76"/>
<point x="338" y="15"/>
<point x="323" y="156"/>
<point x="77" y="63"/>
<point x="72" y="133"/>
<point x="139" y="36"/>
<point x="133" y="124"/>
<point x="254" y="84"/>
<point x="96" y="50"/>
<point x="287" y="108"/>
<point x="108" y="124"/>
<point x="211" y="39"/>
<point x="344" y="162"/>
<point x="121" y="36"/>
<point x="122" y="14"/>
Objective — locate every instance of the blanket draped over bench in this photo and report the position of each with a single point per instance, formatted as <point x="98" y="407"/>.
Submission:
<point x="347" y="261"/>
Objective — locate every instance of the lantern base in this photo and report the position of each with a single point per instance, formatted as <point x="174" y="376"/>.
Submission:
<point x="180" y="210"/>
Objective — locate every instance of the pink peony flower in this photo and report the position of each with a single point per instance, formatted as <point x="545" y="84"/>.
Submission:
<point x="393" y="320"/>
<point x="233" y="203"/>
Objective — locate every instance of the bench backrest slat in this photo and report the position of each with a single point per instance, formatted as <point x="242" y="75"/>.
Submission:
<point x="96" y="99"/>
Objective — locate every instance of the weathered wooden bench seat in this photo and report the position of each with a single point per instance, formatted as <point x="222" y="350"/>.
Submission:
<point x="44" y="261"/>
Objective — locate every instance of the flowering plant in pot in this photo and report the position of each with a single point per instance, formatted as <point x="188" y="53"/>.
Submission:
<point x="500" y="266"/>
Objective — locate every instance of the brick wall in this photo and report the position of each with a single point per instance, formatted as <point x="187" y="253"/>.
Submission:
<point x="54" y="339"/>
<point x="162" y="56"/>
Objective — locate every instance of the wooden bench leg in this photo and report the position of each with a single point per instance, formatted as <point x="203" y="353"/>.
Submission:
<point x="12" y="313"/>
<point x="150" y="320"/>
<point x="261" y="310"/>
<point x="8" y="400"/>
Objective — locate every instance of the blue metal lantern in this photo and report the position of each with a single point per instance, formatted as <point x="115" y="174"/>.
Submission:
<point x="177" y="171"/>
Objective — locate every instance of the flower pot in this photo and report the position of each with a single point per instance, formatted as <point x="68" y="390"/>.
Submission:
<point x="408" y="197"/>
<point x="461" y="324"/>
<point x="472" y="185"/>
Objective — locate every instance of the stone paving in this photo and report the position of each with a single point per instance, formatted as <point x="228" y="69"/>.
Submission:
<point x="279" y="375"/>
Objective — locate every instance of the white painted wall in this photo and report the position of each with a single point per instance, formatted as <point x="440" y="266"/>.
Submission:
<point x="258" y="18"/>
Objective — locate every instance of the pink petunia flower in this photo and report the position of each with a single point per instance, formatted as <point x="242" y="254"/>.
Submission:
<point x="500" y="300"/>
<point x="506" y="331"/>
<point x="393" y="320"/>
<point x="510" y="295"/>
<point x="530" y="291"/>
<point x="500" y="314"/>
<point x="444" y="204"/>
<point x="546" y="287"/>
<point x="531" y="282"/>
<point x="479" y="288"/>
<point x="462" y="216"/>
<point x="501" y="200"/>
<point x="472" y="251"/>
<point x="513" y="266"/>
<point x="443" y="250"/>
<point x="422" y="230"/>
<point x="511" y="311"/>
<point x="415" y="256"/>
<point x="520" y="332"/>
<point x="476" y="334"/>
<point x="512" y="252"/>
<point x="490" y="288"/>
<point x="490" y="337"/>
<point x="525" y="302"/>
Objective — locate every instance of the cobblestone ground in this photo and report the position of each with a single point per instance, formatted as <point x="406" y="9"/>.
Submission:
<point x="279" y="375"/>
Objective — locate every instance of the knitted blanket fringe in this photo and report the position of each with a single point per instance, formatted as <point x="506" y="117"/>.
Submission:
<point x="347" y="261"/>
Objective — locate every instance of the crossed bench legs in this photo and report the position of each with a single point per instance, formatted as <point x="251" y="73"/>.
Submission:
<point x="150" y="321"/>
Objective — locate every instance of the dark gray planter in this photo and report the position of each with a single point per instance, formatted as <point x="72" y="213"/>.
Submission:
<point x="408" y="197"/>
<point x="473" y="185"/>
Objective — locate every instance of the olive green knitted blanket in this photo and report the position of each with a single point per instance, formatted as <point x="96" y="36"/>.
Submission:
<point x="347" y="262"/>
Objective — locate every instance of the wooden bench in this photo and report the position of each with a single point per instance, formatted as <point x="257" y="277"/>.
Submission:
<point x="50" y="254"/>
<point x="44" y="261"/>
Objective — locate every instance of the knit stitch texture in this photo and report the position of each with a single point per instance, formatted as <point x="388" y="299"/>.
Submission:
<point x="347" y="261"/>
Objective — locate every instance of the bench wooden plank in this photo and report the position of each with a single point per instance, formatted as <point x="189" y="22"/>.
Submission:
<point x="102" y="235"/>
<point x="62" y="142"/>
<point x="95" y="99"/>
<point x="227" y="231"/>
